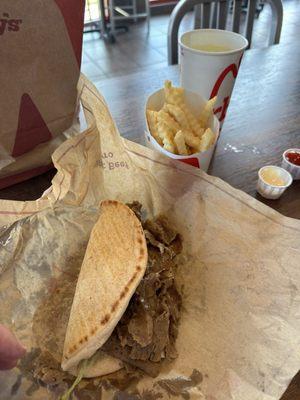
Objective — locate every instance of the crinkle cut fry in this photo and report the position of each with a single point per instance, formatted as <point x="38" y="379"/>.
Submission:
<point x="173" y="95"/>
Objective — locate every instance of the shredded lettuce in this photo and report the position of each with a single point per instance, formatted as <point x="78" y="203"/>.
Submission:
<point x="68" y="392"/>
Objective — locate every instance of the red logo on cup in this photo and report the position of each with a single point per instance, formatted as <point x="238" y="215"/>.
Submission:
<point x="223" y="109"/>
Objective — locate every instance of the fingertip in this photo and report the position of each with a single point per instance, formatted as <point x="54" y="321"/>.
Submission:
<point x="10" y="347"/>
<point x="19" y="351"/>
<point x="8" y="364"/>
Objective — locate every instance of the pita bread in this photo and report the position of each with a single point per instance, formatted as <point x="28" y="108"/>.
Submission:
<point x="113" y="266"/>
<point x="99" y="364"/>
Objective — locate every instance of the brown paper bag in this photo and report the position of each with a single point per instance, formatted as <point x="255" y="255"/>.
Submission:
<point x="239" y="332"/>
<point x="41" y="45"/>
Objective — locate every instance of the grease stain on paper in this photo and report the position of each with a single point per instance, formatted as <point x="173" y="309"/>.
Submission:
<point x="180" y="386"/>
<point x="177" y="387"/>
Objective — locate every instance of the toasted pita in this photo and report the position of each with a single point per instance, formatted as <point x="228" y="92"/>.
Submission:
<point x="49" y="328"/>
<point x="113" y="266"/>
<point x="99" y="364"/>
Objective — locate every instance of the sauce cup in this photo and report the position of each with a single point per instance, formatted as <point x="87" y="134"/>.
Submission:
<point x="293" y="169"/>
<point x="270" y="190"/>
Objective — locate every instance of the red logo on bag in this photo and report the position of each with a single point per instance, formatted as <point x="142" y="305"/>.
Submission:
<point x="223" y="109"/>
<point x="9" y="25"/>
<point x="32" y="129"/>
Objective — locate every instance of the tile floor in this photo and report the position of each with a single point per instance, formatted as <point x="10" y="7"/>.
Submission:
<point x="135" y="50"/>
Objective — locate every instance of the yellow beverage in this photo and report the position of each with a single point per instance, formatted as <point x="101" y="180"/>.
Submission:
<point x="212" y="48"/>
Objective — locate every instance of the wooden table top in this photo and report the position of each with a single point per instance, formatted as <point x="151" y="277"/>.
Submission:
<point x="263" y="118"/>
<point x="262" y="121"/>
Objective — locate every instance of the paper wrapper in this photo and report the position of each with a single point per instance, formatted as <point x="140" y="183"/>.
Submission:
<point x="239" y="331"/>
<point x="195" y="103"/>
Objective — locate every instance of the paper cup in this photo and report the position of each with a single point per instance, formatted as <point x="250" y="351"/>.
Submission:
<point x="211" y="73"/>
<point x="268" y="190"/>
<point x="195" y="103"/>
<point x="293" y="169"/>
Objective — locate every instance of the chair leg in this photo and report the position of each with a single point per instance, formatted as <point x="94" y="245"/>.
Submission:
<point x="134" y="9"/>
<point x="214" y="15"/>
<point x="197" y="17"/>
<point x="102" y="18"/>
<point x="111" y="18"/>
<point x="250" y="20"/>
<point x="148" y="11"/>
<point x="277" y="16"/>
<point x="176" y="16"/>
